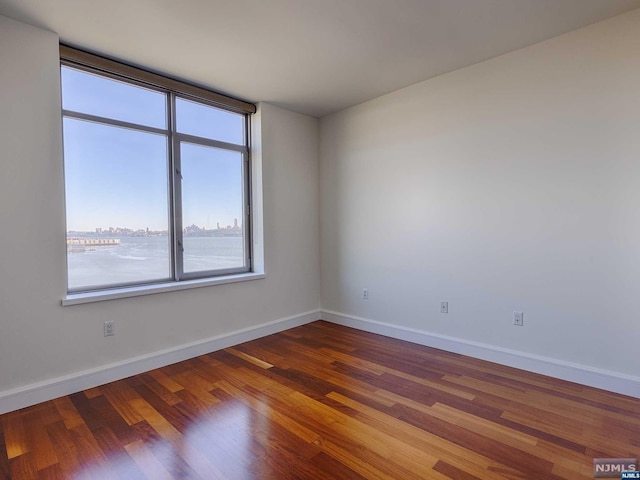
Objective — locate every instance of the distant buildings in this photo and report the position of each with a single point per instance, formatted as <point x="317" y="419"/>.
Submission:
<point x="189" y="231"/>
<point x="229" y="231"/>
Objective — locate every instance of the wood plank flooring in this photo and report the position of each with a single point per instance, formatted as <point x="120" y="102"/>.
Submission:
<point x="323" y="402"/>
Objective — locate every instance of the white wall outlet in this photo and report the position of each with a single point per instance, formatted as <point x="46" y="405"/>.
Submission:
<point x="444" y="307"/>
<point x="109" y="328"/>
<point x="365" y="294"/>
<point x="518" y="318"/>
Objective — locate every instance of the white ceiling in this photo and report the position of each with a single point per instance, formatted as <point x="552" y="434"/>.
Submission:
<point x="311" y="56"/>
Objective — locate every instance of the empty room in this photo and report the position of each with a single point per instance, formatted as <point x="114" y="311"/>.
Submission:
<point x="336" y="239"/>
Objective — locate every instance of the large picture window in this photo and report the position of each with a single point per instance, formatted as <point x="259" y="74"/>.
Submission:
<point x="156" y="183"/>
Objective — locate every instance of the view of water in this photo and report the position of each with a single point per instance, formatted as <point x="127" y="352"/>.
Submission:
<point x="146" y="259"/>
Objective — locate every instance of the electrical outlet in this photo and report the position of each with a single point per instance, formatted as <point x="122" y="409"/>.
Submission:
<point x="518" y="319"/>
<point x="444" y="307"/>
<point x="365" y="294"/>
<point x="109" y="328"/>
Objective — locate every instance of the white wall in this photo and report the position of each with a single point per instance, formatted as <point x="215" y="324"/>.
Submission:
<point x="513" y="184"/>
<point x="41" y="340"/>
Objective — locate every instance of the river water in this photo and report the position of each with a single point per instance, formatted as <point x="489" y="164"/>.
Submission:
<point x="147" y="260"/>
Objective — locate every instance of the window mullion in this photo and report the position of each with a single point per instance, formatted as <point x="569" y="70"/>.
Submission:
<point x="248" y="200"/>
<point x="182" y="137"/>
<point x="112" y="122"/>
<point x="176" y="176"/>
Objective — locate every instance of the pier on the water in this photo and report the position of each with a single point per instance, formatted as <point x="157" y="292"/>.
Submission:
<point x="81" y="243"/>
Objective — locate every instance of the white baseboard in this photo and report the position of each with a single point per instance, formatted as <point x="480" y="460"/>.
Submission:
<point x="573" y="372"/>
<point x="28" y="395"/>
<point x="32" y="394"/>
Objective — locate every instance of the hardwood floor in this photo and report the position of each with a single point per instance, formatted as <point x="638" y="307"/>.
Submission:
<point x="323" y="402"/>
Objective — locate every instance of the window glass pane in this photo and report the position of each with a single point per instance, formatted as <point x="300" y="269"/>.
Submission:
<point x="117" y="205"/>
<point x="87" y="93"/>
<point x="212" y="208"/>
<point x="209" y="122"/>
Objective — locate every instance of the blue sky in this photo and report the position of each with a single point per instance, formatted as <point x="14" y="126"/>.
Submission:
<point x="117" y="177"/>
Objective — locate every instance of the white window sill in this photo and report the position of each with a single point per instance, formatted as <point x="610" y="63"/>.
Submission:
<point x="101" y="296"/>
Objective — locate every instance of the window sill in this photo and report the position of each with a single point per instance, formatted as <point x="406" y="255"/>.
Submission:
<point x="101" y="296"/>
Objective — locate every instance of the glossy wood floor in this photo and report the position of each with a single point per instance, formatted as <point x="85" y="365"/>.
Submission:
<point x="323" y="402"/>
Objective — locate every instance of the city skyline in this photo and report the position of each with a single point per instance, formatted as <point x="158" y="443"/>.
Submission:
<point x="124" y="230"/>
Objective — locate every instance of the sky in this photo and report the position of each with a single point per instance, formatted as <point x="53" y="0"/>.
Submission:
<point x="117" y="177"/>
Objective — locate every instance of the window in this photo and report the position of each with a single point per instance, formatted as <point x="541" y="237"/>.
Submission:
<point x="156" y="179"/>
